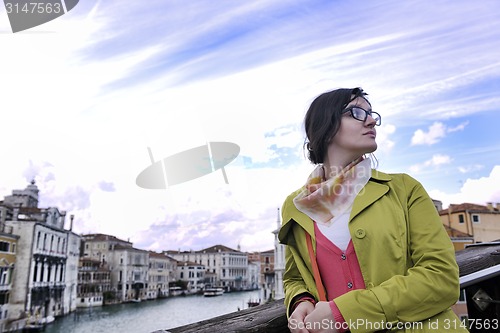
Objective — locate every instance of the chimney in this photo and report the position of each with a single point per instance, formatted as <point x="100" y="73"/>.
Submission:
<point x="490" y="206"/>
<point x="71" y="217"/>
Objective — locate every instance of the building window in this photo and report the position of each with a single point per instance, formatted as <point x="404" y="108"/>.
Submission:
<point x="475" y="218"/>
<point x="461" y="218"/>
<point x="35" y="272"/>
<point x="4" y="246"/>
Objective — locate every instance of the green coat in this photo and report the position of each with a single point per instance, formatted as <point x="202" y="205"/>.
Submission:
<point x="406" y="257"/>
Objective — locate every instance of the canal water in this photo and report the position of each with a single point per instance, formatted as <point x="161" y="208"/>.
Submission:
<point x="150" y="316"/>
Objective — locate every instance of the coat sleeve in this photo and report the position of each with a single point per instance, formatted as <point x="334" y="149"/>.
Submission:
<point x="293" y="282"/>
<point x="427" y="288"/>
<point x="297" y="279"/>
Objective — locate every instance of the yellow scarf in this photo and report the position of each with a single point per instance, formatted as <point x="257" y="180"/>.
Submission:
<point x="323" y="200"/>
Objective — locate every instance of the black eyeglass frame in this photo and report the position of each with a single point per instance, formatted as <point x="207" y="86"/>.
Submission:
<point x="378" y="121"/>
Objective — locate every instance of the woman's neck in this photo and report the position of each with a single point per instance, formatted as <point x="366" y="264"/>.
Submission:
<point x="333" y="167"/>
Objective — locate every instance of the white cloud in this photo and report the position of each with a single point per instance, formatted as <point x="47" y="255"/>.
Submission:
<point x="84" y="102"/>
<point x="384" y="144"/>
<point x="436" y="132"/>
<point x="470" y="168"/>
<point x="474" y="190"/>
<point x="459" y="127"/>
<point x="429" y="165"/>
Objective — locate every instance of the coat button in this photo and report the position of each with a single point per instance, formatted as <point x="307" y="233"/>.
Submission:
<point x="370" y="285"/>
<point x="360" y="233"/>
<point x="349" y="285"/>
<point x="343" y="256"/>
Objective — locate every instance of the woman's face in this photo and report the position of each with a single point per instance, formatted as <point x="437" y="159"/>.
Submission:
<point x="354" y="137"/>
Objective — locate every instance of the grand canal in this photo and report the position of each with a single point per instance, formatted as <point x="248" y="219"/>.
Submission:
<point x="150" y="316"/>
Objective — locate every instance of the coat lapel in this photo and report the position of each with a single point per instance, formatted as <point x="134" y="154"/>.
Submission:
<point x="290" y="214"/>
<point x="374" y="189"/>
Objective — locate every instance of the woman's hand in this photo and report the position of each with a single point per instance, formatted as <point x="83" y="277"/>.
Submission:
<point x="321" y="319"/>
<point x="296" y="322"/>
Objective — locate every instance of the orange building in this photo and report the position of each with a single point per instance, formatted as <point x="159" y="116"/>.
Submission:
<point x="481" y="223"/>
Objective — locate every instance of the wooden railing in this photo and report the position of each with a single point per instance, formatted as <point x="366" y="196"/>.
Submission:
<point x="479" y="269"/>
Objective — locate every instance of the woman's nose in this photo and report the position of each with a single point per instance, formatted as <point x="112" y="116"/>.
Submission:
<point x="370" y="121"/>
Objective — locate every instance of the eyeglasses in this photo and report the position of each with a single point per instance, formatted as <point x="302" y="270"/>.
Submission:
<point x="361" y="114"/>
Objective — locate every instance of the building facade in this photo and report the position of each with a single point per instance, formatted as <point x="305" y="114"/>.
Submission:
<point x="94" y="280"/>
<point x="193" y="274"/>
<point x="253" y="277"/>
<point x="162" y="272"/>
<point x="128" y="266"/>
<point x="229" y="265"/>
<point x="8" y="246"/>
<point x="45" y="275"/>
<point x="482" y="223"/>
<point x="279" y="262"/>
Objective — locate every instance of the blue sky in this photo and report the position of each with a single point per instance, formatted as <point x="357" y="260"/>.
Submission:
<point x="85" y="95"/>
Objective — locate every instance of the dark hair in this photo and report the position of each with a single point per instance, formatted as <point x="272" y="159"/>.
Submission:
<point x="322" y="120"/>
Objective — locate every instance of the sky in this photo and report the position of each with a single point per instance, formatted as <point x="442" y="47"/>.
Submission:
<point x="84" y="99"/>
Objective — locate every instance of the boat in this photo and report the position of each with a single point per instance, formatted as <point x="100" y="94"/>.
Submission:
<point x="210" y="292"/>
<point x="29" y="328"/>
<point x="252" y="303"/>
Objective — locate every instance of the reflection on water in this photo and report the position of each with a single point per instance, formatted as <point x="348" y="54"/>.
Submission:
<point x="149" y="316"/>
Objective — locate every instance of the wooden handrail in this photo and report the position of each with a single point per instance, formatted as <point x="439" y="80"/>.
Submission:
<point x="269" y="317"/>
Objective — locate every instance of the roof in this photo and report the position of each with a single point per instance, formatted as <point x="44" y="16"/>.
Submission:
<point x="470" y="207"/>
<point x="30" y="210"/>
<point x="213" y="249"/>
<point x="219" y="248"/>
<point x="162" y="255"/>
<point x="102" y="238"/>
<point x="456" y="233"/>
<point x="127" y="247"/>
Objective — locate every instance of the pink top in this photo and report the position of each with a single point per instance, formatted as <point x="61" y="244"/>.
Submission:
<point x="340" y="271"/>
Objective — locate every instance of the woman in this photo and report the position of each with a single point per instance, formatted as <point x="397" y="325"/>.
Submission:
<point x="366" y="251"/>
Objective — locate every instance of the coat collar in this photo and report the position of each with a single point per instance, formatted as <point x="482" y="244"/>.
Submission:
<point x="373" y="190"/>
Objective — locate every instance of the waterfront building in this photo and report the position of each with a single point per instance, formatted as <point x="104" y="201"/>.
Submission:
<point x="193" y="274"/>
<point x="267" y="273"/>
<point x="128" y="265"/>
<point x="231" y="266"/>
<point x="480" y="222"/>
<point x="94" y="280"/>
<point x="162" y="271"/>
<point x="279" y="262"/>
<point x="45" y="275"/>
<point x="8" y="245"/>
<point x="71" y="271"/>
<point x="253" y="276"/>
